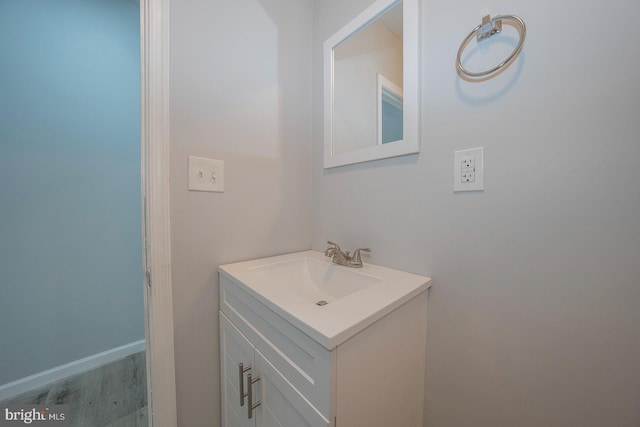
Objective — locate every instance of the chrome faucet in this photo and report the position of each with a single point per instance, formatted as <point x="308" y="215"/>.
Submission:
<point x="343" y="258"/>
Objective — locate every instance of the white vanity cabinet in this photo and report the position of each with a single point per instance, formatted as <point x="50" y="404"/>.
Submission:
<point x="373" y="377"/>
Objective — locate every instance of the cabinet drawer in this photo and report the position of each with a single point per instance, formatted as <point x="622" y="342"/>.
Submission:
<point x="302" y="361"/>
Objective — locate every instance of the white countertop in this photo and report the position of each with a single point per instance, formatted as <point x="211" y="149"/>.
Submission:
<point x="341" y="318"/>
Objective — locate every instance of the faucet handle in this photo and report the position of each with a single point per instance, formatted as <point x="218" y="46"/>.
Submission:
<point x="329" y="242"/>
<point x="356" y="260"/>
<point x="331" y="251"/>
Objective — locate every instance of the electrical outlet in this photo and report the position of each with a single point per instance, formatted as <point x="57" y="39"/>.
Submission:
<point x="206" y="174"/>
<point x="468" y="170"/>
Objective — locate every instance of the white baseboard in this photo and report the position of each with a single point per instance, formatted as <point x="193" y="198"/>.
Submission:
<point x="49" y="376"/>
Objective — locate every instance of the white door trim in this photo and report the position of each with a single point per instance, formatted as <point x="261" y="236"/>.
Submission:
<point x="154" y="132"/>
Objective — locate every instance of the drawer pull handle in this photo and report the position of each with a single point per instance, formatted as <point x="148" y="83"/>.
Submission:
<point x="251" y="405"/>
<point x="241" y="371"/>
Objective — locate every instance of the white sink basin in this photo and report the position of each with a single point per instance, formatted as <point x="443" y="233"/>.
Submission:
<point x="328" y="302"/>
<point x="316" y="282"/>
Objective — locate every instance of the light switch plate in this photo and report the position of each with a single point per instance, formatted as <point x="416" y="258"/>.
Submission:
<point x="468" y="170"/>
<point x="206" y="174"/>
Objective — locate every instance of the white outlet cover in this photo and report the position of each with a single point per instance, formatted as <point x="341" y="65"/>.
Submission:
<point x="476" y="155"/>
<point x="206" y="174"/>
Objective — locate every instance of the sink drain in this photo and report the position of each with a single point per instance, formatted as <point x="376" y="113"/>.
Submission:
<point x="321" y="303"/>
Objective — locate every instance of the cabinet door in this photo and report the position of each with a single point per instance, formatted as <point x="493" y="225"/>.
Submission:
<point x="234" y="350"/>
<point x="281" y="404"/>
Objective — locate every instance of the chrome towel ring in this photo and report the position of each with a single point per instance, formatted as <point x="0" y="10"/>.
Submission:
<point x="488" y="28"/>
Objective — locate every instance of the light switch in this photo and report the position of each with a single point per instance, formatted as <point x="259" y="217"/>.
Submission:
<point x="206" y="174"/>
<point x="468" y="170"/>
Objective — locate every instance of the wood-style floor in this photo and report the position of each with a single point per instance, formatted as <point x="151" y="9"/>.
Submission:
<point x="113" y="395"/>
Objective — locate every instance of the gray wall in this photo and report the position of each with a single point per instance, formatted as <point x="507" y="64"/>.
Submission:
<point x="535" y="307"/>
<point x="70" y="235"/>
<point x="241" y="93"/>
<point x="534" y="314"/>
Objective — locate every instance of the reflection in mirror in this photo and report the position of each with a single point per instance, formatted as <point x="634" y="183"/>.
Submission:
<point x="389" y="102"/>
<point x="371" y="82"/>
<point x="375" y="50"/>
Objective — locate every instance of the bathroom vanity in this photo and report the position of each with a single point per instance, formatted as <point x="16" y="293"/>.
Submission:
<point x="305" y="342"/>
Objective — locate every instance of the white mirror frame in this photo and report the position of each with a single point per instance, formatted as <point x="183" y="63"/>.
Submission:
<point x="411" y="93"/>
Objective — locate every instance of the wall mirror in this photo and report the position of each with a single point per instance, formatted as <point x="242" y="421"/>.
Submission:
<point x="371" y="85"/>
